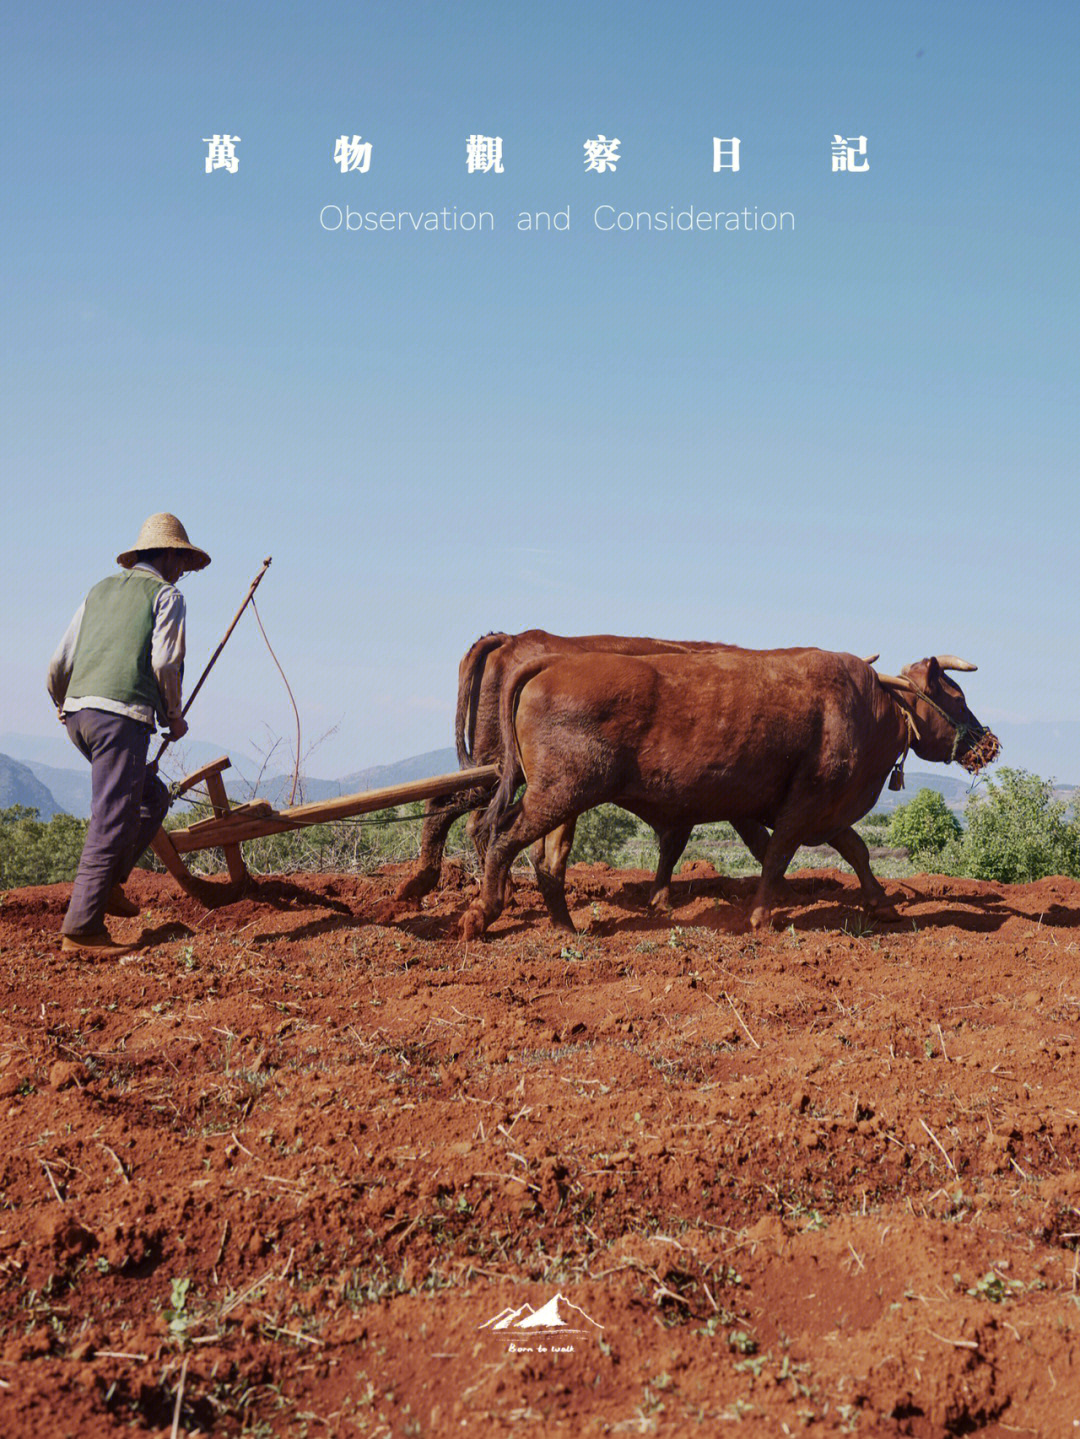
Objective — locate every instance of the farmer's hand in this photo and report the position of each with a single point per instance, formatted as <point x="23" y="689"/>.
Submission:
<point x="178" y="727"/>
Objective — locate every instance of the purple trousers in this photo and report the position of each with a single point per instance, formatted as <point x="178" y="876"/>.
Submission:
<point x="128" y="806"/>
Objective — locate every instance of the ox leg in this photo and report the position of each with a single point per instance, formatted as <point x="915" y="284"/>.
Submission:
<point x="851" y="847"/>
<point x="477" y="833"/>
<point x="502" y="851"/>
<point x="674" y="841"/>
<point x="755" y="837"/>
<point x="672" y="844"/>
<point x="439" y="815"/>
<point x="549" y="857"/>
<point x="476" y="830"/>
<point x="778" y="855"/>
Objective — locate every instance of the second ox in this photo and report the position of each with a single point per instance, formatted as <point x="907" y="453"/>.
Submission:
<point x="798" y="740"/>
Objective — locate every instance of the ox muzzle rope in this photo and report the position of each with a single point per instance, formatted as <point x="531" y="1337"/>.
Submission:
<point x="983" y="746"/>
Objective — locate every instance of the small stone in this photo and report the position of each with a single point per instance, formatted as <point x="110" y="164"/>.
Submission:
<point x="64" y="1074"/>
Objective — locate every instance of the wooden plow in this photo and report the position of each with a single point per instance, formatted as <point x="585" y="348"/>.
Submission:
<point x="230" y="825"/>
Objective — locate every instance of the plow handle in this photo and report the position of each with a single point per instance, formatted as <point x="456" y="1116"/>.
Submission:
<point x="210" y="663"/>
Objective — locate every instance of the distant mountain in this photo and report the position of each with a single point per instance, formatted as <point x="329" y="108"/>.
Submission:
<point x="955" y="792"/>
<point x="188" y="756"/>
<point x="19" y="785"/>
<point x="69" y="787"/>
<point x="417" y="766"/>
<point x="276" y="787"/>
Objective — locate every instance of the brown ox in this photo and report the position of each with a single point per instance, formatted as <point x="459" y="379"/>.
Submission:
<point x="482" y="677"/>
<point x="798" y="740"/>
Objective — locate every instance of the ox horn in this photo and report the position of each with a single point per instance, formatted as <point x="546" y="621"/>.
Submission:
<point x="869" y="659"/>
<point x="897" y="682"/>
<point x="950" y="662"/>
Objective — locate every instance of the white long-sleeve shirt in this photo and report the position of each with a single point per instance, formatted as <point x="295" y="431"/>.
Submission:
<point x="167" y="649"/>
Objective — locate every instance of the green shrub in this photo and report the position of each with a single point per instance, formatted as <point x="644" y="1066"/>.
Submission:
<point x="1017" y="831"/>
<point x="879" y="819"/>
<point x="601" y="834"/>
<point x="33" y="852"/>
<point x="925" y="825"/>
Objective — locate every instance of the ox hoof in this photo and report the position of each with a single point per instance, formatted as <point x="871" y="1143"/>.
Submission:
<point x="472" y="926"/>
<point x="887" y="913"/>
<point x="761" y="918"/>
<point x="414" y="888"/>
<point x="661" y="900"/>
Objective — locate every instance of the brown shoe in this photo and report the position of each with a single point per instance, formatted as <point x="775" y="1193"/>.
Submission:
<point x="94" y="941"/>
<point x="119" y="904"/>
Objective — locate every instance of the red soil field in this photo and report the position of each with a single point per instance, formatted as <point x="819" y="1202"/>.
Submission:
<point x="275" y="1172"/>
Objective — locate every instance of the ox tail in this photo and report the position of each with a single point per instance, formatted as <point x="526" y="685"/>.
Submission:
<point x="511" y="773"/>
<point x="470" y="673"/>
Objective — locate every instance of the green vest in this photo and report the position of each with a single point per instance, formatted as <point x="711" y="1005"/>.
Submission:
<point x="112" y="653"/>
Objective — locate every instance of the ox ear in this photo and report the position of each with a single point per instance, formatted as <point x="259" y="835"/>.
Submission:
<point x="950" y="662"/>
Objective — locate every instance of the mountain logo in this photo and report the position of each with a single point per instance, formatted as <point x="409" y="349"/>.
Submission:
<point x="557" y="1316"/>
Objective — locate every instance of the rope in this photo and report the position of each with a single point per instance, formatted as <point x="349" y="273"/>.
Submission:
<point x="959" y="728"/>
<point x="982" y="751"/>
<point x="292" y="701"/>
<point x="896" y="779"/>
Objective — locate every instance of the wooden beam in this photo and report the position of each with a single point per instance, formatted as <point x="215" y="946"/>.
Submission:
<point x="256" y="808"/>
<point x="234" y="855"/>
<point x="166" y="852"/>
<point x="210" y="892"/>
<point x="231" y="829"/>
<point x="191" y="780"/>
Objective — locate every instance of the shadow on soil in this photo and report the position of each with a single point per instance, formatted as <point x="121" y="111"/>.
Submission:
<point x="285" y="894"/>
<point x="827" y="904"/>
<point x="164" y="934"/>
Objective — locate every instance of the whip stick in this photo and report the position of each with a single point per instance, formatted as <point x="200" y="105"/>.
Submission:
<point x="224" y="641"/>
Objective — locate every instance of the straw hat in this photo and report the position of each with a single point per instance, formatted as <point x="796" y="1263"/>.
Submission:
<point x="164" y="532"/>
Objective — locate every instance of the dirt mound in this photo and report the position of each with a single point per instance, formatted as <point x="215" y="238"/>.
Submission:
<point x="310" y="1163"/>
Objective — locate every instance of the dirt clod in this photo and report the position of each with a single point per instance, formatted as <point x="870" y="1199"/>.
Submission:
<point x="63" y="1074"/>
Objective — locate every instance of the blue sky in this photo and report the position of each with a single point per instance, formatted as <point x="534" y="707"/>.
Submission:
<point x="859" y="434"/>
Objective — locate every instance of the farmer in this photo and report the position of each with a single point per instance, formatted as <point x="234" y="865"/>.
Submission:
<point x="118" y="669"/>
